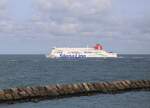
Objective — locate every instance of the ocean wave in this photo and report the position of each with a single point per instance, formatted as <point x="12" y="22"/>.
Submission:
<point x="12" y="60"/>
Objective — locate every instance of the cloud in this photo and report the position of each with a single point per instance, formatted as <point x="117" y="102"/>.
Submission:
<point x="87" y="18"/>
<point x="72" y="9"/>
<point x="78" y="7"/>
<point x="70" y="16"/>
<point x="3" y="5"/>
<point x="79" y="21"/>
<point x="63" y="18"/>
<point x="78" y="18"/>
<point x="90" y="17"/>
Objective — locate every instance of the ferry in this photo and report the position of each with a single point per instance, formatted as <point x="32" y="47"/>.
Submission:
<point x="93" y="52"/>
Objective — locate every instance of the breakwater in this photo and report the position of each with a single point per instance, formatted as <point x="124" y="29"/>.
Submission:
<point x="66" y="90"/>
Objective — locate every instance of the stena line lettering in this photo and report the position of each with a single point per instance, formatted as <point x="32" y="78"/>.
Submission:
<point x="72" y="56"/>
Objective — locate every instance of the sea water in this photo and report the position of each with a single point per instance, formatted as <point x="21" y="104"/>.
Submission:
<point x="32" y="70"/>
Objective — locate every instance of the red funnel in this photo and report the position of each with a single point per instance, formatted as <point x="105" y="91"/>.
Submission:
<point x="98" y="47"/>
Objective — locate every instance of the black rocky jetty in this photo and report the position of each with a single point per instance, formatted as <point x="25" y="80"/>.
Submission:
<point x="37" y="93"/>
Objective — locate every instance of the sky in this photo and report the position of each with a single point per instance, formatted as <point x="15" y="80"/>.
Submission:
<point x="35" y="26"/>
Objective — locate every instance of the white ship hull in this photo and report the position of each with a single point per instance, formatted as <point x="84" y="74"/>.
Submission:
<point x="80" y="53"/>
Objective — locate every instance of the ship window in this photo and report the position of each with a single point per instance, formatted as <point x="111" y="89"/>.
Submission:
<point x="87" y="52"/>
<point x="59" y="52"/>
<point x="74" y="52"/>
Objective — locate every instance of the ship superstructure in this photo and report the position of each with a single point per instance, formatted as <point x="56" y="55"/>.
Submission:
<point x="95" y="52"/>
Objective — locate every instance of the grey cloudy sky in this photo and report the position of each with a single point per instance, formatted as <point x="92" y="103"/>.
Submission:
<point x="35" y="26"/>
